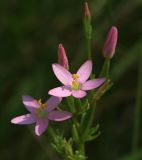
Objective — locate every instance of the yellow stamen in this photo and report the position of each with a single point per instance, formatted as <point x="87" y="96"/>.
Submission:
<point x="75" y="76"/>
<point x="42" y="105"/>
<point x="39" y="102"/>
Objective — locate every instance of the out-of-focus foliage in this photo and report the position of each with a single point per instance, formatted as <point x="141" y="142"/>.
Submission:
<point x="30" y="32"/>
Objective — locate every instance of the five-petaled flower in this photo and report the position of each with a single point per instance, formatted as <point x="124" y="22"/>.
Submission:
<point x="75" y="84"/>
<point x="41" y="113"/>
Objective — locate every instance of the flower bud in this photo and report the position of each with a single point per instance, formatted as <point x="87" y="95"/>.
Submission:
<point x="110" y="43"/>
<point x="87" y="13"/>
<point x="62" y="57"/>
<point x="87" y="22"/>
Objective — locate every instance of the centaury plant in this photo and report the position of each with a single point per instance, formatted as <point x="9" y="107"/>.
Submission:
<point x="79" y="105"/>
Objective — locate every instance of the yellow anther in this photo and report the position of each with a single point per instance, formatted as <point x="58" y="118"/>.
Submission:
<point x="43" y="106"/>
<point x="75" y="76"/>
<point x="39" y="102"/>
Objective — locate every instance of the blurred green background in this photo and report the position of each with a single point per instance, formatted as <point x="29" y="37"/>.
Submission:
<point x="30" y="31"/>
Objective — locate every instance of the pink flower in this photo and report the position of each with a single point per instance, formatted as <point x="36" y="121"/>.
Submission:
<point x="41" y="113"/>
<point x="110" y="43"/>
<point x="62" y="57"/>
<point x="75" y="84"/>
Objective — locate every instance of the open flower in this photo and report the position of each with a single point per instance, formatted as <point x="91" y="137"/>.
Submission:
<point x="41" y="113"/>
<point x="75" y="84"/>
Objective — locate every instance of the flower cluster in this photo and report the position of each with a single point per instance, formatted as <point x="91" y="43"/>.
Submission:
<point x="74" y="85"/>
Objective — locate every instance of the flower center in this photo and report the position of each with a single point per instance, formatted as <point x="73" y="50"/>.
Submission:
<point x="41" y="111"/>
<point x="75" y="83"/>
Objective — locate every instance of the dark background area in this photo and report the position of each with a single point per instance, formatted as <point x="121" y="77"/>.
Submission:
<point x="30" y="31"/>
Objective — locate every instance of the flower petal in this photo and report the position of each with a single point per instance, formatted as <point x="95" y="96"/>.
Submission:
<point x="30" y="103"/>
<point x="63" y="91"/>
<point x="92" y="84"/>
<point x="59" y="115"/>
<point x="24" y="119"/>
<point x="53" y="102"/>
<point x="41" y="126"/>
<point x="63" y="75"/>
<point x="79" y="94"/>
<point x="84" y="71"/>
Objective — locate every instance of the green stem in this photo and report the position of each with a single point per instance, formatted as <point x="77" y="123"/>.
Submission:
<point x="88" y="36"/>
<point x="91" y="119"/>
<point x="79" y="103"/>
<point x="82" y="148"/>
<point x="136" y="129"/>
<point x="89" y="48"/>
<point x="51" y="132"/>
<point x="70" y="101"/>
<point x="105" y="68"/>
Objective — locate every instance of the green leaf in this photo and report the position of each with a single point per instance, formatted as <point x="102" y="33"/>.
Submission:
<point x="92" y="133"/>
<point x="75" y="133"/>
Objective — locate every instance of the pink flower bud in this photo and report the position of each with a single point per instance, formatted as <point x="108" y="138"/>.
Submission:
<point x="110" y="43"/>
<point x="62" y="57"/>
<point x="87" y="13"/>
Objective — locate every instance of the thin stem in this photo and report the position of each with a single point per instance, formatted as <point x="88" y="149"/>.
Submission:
<point x="51" y="132"/>
<point x="79" y="103"/>
<point x="90" y="122"/>
<point x="70" y="101"/>
<point x="82" y="148"/>
<point x="105" y="68"/>
<point x="91" y="119"/>
<point x="89" y="48"/>
<point x="137" y="112"/>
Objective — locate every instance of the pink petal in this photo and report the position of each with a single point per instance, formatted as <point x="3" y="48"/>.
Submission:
<point x="59" y="115"/>
<point x="41" y="126"/>
<point x="30" y="103"/>
<point x="60" y="91"/>
<point x="92" y="84"/>
<point x="24" y="119"/>
<point x="53" y="102"/>
<point x="85" y="71"/>
<point x="63" y="75"/>
<point x="79" y="94"/>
